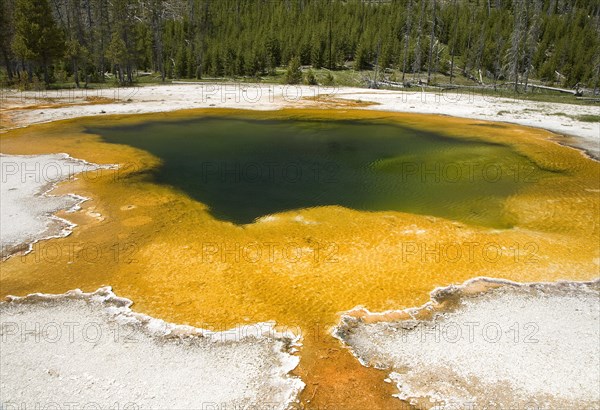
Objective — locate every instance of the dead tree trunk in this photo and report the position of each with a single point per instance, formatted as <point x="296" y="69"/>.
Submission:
<point x="417" y="62"/>
<point x="157" y="30"/>
<point x="431" y="43"/>
<point x="406" y="37"/>
<point x="454" y="40"/>
<point x="514" y="53"/>
<point x="532" y="38"/>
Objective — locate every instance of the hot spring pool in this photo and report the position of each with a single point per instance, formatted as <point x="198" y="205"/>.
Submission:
<point x="173" y="225"/>
<point x="245" y="169"/>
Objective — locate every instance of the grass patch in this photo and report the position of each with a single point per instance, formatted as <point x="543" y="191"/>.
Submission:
<point x="582" y="117"/>
<point x="588" y="118"/>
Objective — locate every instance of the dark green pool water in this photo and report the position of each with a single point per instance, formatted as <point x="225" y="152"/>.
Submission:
<point x="245" y="169"/>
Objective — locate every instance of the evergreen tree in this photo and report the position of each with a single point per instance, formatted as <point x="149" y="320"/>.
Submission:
<point x="360" y="57"/>
<point x="516" y="39"/>
<point x="293" y="75"/>
<point x="430" y="62"/>
<point x="6" y="34"/>
<point x="552" y="40"/>
<point x="310" y="79"/>
<point x="418" y="51"/>
<point x="37" y="41"/>
<point x="531" y="41"/>
<point x="407" y="29"/>
<point x="117" y="53"/>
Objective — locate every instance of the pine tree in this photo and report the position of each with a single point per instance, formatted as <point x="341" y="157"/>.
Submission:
<point x="316" y="57"/>
<point x="418" y="51"/>
<point x="514" y="53"/>
<point x="76" y="53"/>
<point x="293" y="74"/>
<point x="191" y="38"/>
<point x="6" y="35"/>
<point x="454" y="40"/>
<point x="117" y="52"/>
<point x="37" y="41"/>
<point x="431" y="43"/>
<point x="407" y="29"/>
<point x="532" y="37"/>
<point x="360" y="57"/>
<point x="310" y="79"/>
<point x="273" y="52"/>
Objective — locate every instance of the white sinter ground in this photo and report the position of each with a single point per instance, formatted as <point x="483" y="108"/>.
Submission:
<point x="26" y="207"/>
<point x="512" y="346"/>
<point x="557" y="117"/>
<point x="91" y="351"/>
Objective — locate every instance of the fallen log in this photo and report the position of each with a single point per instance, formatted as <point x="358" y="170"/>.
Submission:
<point x="560" y="90"/>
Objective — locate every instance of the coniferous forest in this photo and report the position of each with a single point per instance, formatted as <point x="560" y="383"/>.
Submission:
<point x="84" y="41"/>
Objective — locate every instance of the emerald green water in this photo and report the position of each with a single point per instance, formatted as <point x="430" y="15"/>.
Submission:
<point x="245" y="169"/>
